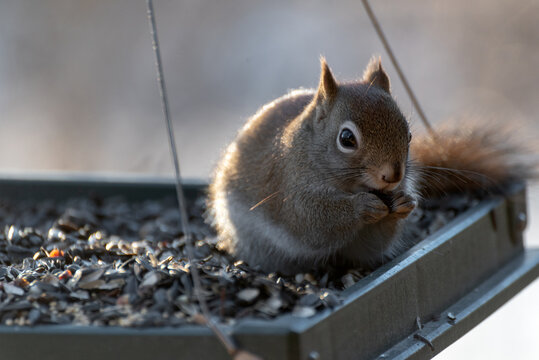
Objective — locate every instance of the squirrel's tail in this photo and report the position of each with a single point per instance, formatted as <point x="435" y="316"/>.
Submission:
<point x="477" y="160"/>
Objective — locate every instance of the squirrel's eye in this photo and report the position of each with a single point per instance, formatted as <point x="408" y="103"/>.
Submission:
<point x="347" y="139"/>
<point x="409" y="137"/>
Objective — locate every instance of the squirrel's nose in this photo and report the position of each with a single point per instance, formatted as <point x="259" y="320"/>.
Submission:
<point x="391" y="174"/>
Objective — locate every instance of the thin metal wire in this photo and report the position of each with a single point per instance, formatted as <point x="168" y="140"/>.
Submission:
<point x="382" y="37"/>
<point x="224" y="338"/>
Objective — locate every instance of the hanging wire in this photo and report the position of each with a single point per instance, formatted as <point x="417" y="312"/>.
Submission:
<point x="224" y="338"/>
<point x="409" y="90"/>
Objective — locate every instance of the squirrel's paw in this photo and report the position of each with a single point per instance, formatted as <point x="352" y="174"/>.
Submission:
<point x="370" y="208"/>
<point x="402" y="205"/>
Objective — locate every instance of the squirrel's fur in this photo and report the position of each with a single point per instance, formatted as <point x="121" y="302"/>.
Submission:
<point x="469" y="158"/>
<point x="325" y="176"/>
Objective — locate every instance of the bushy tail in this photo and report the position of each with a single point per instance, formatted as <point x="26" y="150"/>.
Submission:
<point x="474" y="160"/>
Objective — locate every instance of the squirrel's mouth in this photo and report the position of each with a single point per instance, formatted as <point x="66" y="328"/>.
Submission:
<point x="368" y="183"/>
<point x="385" y="197"/>
<point x="374" y="182"/>
<point x="362" y="187"/>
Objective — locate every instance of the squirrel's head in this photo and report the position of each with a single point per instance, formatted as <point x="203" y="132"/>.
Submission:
<point x="361" y="136"/>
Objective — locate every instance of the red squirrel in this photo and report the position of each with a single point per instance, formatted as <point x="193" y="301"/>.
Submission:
<point x="329" y="176"/>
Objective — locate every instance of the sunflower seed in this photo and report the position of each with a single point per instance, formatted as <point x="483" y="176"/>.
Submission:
<point x="248" y="295"/>
<point x="13" y="290"/>
<point x="303" y="311"/>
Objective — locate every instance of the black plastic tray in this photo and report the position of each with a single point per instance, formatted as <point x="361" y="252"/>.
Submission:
<point x="467" y="269"/>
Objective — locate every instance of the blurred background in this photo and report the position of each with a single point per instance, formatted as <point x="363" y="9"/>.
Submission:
<point x="78" y="89"/>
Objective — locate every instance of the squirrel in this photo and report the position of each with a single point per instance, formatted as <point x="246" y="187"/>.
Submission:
<point x="330" y="176"/>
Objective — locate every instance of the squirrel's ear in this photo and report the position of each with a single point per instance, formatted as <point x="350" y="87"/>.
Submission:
<point x="327" y="89"/>
<point x="376" y="75"/>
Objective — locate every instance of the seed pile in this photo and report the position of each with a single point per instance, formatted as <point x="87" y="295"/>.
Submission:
<point x="112" y="262"/>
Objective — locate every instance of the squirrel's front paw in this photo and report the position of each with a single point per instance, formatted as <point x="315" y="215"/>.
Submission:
<point x="402" y="205"/>
<point x="370" y="208"/>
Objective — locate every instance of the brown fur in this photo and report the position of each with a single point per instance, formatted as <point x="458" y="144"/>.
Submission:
<point x="286" y="199"/>
<point x="469" y="159"/>
<point x="375" y="75"/>
<point x="289" y="195"/>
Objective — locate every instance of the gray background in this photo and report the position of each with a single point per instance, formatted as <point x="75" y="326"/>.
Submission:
<point x="78" y="90"/>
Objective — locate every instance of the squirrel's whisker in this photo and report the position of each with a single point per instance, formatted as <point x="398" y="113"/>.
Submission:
<point x="263" y="201"/>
